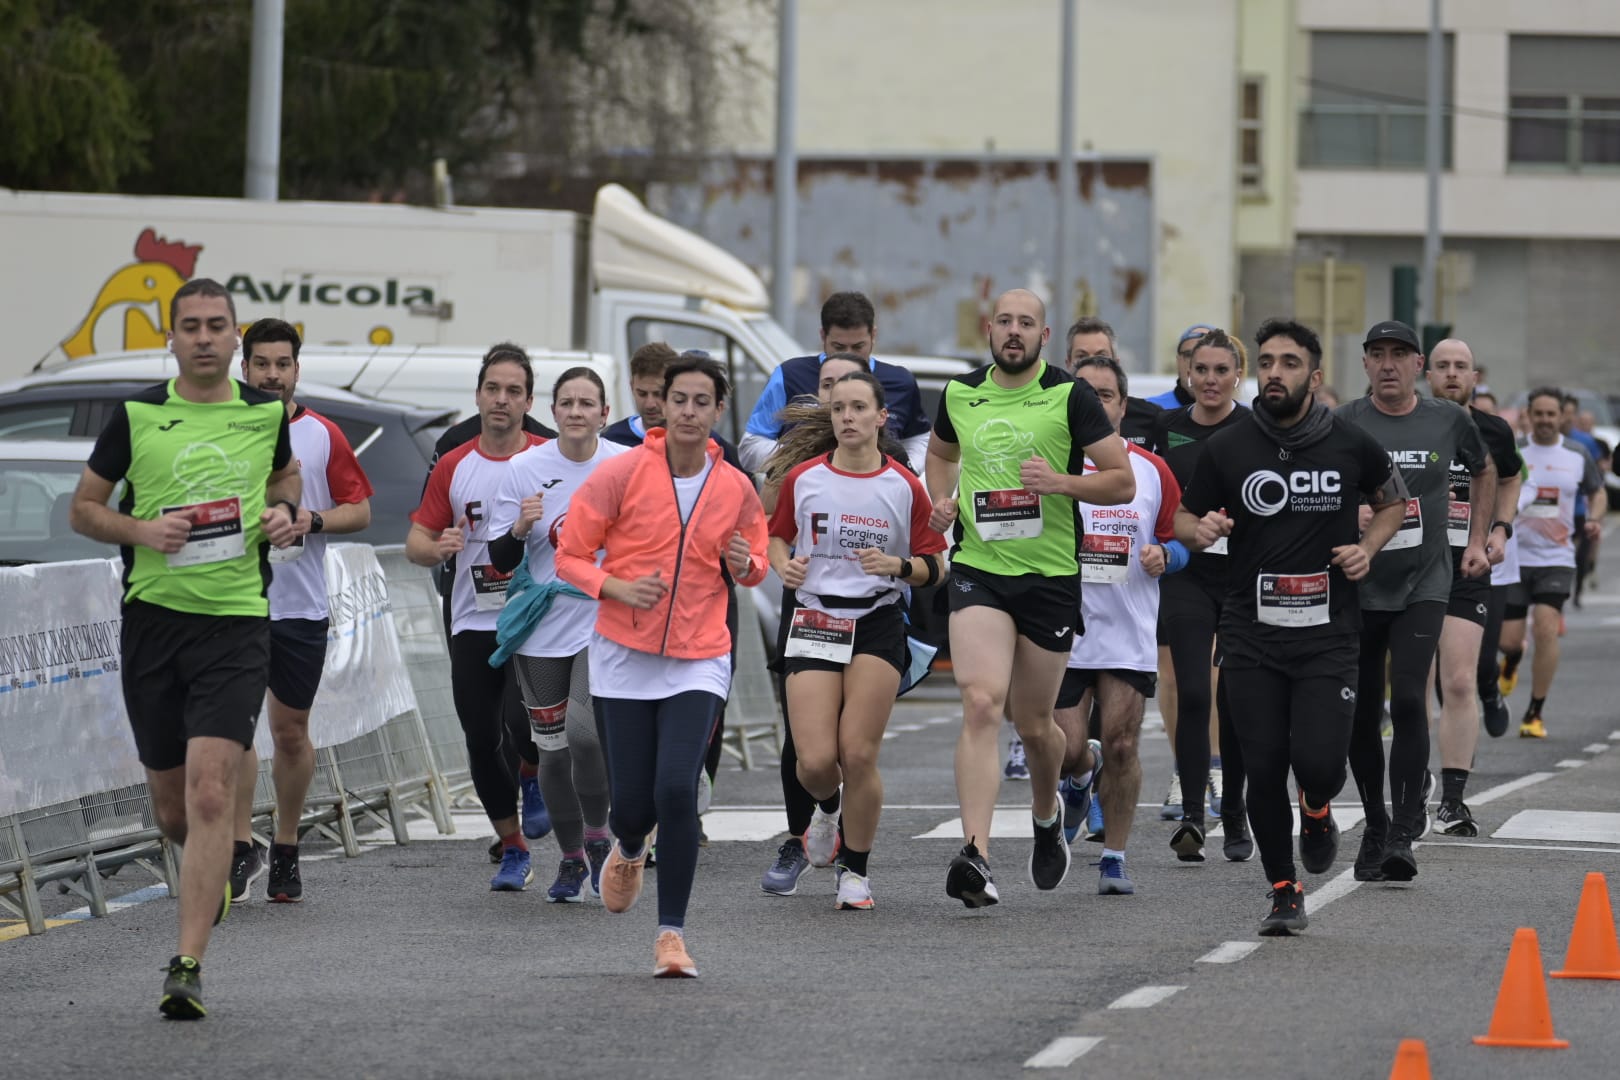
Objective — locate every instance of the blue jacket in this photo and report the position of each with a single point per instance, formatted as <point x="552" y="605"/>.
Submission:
<point x="800" y="376"/>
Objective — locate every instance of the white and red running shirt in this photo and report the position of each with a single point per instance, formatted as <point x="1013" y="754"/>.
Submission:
<point x="829" y="515"/>
<point x="332" y="477"/>
<point x="1554" y="476"/>
<point x="1118" y="599"/>
<point x="462" y="490"/>
<point x="545" y="470"/>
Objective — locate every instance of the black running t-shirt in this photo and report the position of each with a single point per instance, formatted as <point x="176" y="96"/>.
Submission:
<point x="1289" y="510"/>
<point x="1179" y="440"/>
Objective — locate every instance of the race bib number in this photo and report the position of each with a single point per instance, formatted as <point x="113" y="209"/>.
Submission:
<point x="1292" y="599"/>
<point x="816" y="635"/>
<point x="1104" y="560"/>
<point x="549" y="726"/>
<point x="1458" y="517"/>
<point x="1218" y="547"/>
<point x="290" y="553"/>
<point x="489" y="588"/>
<point x="1013" y="514"/>
<point x="1410" y="534"/>
<point x="1544" y="505"/>
<point x="216" y="532"/>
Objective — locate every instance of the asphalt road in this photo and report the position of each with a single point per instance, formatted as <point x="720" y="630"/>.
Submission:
<point x="401" y="963"/>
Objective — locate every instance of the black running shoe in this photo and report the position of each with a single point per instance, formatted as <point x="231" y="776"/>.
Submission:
<point x="1238" y="844"/>
<point x="1049" y="858"/>
<point x="496" y="851"/>
<point x="182" y="990"/>
<point x="1287" y="916"/>
<point x="1399" y="862"/>
<point x="1455" y="818"/>
<point x="1188" y="841"/>
<point x="247" y="866"/>
<point x="284" y="886"/>
<point x="1318" y="840"/>
<point x="969" y="880"/>
<point x="1497" y="716"/>
<point x="1370" y="859"/>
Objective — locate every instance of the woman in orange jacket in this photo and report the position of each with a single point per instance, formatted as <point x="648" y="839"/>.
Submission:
<point x="667" y="515"/>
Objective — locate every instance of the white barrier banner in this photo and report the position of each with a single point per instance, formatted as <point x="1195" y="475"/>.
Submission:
<point x="365" y="684"/>
<point x="63" y="731"/>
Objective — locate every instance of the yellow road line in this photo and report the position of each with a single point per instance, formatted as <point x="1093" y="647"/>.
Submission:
<point x="18" y="928"/>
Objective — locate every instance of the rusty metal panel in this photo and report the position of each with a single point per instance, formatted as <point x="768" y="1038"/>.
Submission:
<point x="933" y="240"/>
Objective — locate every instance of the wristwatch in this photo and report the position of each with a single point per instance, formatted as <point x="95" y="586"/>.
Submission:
<point x="316" y="522"/>
<point x="1505" y="526"/>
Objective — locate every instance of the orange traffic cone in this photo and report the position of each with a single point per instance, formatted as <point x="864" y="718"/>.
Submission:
<point x="1522" y="1016"/>
<point x="1411" y="1061"/>
<point x="1594" y="952"/>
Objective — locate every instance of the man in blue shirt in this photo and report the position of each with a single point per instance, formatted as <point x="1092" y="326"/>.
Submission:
<point x="848" y="325"/>
<point x="1177" y="397"/>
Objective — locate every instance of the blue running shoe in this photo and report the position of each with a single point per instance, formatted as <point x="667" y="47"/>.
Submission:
<point x="515" y="872"/>
<point x="1094" y="818"/>
<point x="596" y="853"/>
<point x="1077" y="803"/>
<point x="1112" y="880"/>
<point x="782" y="878"/>
<point x="572" y="874"/>
<point x="536" y="818"/>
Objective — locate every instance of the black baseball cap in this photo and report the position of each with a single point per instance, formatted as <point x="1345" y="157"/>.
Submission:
<point x="1393" y="330"/>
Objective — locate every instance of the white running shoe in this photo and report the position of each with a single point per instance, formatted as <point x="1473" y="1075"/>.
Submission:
<point x="1171" y="810"/>
<point x="705" y="791"/>
<point x="854" y="892"/>
<point x="821" y="839"/>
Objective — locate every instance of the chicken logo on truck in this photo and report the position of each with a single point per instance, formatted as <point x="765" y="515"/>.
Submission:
<point x="131" y="310"/>
<point x="139" y="294"/>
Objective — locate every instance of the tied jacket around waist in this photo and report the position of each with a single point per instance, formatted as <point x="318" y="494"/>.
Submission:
<point x="627" y="508"/>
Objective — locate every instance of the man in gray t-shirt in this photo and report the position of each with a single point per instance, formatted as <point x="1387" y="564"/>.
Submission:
<point x="1403" y="599"/>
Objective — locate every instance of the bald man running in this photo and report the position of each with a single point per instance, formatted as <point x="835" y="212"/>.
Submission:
<point x="1016" y="435"/>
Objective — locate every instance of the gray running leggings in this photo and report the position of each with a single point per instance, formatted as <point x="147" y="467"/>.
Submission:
<point x="573" y="773"/>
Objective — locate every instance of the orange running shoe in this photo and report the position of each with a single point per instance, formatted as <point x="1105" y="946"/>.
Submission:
<point x="621" y="879"/>
<point x="670" y="959"/>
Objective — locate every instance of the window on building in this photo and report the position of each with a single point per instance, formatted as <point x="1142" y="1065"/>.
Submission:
<point x="1251" y="127"/>
<point x="1365" y="102"/>
<point x="1564" y="101"/>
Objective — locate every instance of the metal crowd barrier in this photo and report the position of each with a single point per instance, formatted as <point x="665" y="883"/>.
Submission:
<point x="414" y="765"/>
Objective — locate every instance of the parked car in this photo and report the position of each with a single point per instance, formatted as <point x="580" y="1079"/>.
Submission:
<point x="393" y="442"/>
<point x="37" y="478"/>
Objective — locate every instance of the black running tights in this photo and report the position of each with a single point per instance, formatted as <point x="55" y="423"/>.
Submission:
<point x="1190" y="634"/>
<point x="493" y="721"/>
<point x="1287" y="723"/>
<point x="655" y="750"/>
<point x="1407" y="640"/>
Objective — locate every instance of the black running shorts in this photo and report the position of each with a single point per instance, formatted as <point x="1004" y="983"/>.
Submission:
<point x="1549" y="585"/>
<point x="186" y="676"/>
<point x="880" y="632"/>
<point x="1470" y="598"/>
<point x="297" y="659"/>
<point x="1046" y="610"/>
<point x="1076" y="681"/>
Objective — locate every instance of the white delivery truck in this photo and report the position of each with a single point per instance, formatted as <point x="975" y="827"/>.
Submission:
<point x="395" y="301"/>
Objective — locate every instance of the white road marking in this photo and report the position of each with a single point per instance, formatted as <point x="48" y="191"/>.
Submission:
<point x="1569" y="826"/>
<point x="1570" y="763"/>
<point x="905" y="727"/>
<point x="1145" y="997"/>
<point x="1062" y="1052"/>
<point x="1524" y="847"/>
<point x="1229" y="952"/>
<point x="1614" y="736"/>
<point x="744" y="825"/>
<point x="1596" y="748"/>
<point x="1004" y="825"/>
<point x="1341" y="885"/>
<point x="1492" y="794"/>
<point x="119" y="903"/>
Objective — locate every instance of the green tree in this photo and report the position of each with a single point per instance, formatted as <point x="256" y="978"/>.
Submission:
<point x="70" y="115"/>
<point x="151" y="95"/>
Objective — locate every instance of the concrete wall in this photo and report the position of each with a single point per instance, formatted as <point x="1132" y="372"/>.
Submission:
<point x="953" y="77"/>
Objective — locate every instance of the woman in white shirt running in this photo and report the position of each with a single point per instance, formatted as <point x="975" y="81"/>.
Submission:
<point x="849" y="530"/>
